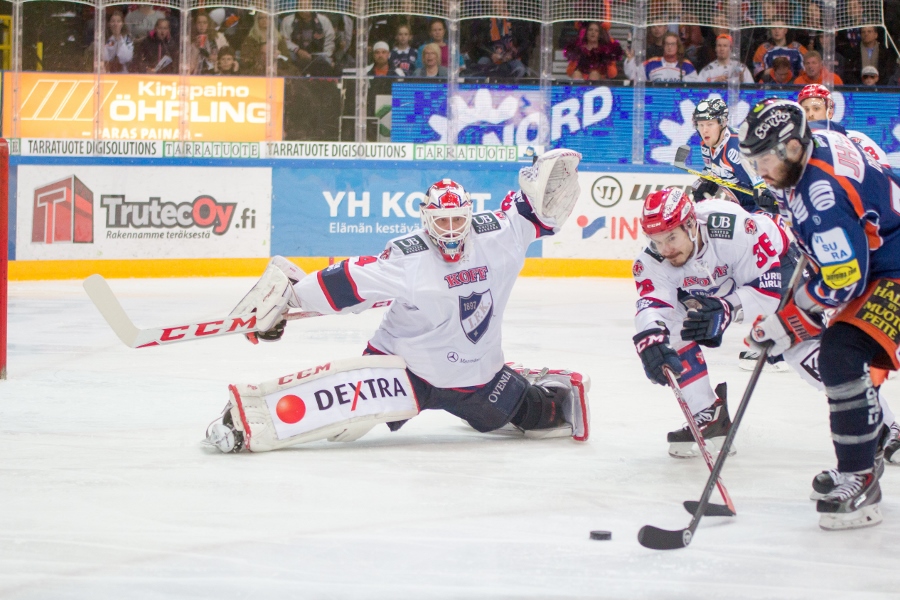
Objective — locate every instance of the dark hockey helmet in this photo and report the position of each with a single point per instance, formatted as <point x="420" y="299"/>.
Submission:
<point x="666" y="209"/>
<point x="713" y="109"/>
<point x="770" y="125"/>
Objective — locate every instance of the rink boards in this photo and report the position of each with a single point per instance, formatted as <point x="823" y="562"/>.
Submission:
<point x="183" y="216"/>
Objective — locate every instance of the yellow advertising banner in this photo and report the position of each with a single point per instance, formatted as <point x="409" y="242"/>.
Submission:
<point x="143" y="107"/>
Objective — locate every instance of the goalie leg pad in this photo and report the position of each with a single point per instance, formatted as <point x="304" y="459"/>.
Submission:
<point x="568" y="391"/>
<point x="339" y="401"/>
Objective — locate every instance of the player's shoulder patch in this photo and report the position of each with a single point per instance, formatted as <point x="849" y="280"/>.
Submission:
<point x="485" y="222"/>
<point x="720" y="225"/>
<point x="656" y="256"/>
<point x="386" y="253"/>
<point x="637" y="268"/>
<point x="411" y="244"/>
<point x="750" y="226"/>
<point x="734" y="155"/>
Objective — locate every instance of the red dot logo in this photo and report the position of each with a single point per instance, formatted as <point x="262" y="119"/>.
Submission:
<point x="290" y="409"/>
<point x="581" y="221"/>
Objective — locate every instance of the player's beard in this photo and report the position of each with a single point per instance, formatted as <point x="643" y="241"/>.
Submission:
<point x="790" y="176"/>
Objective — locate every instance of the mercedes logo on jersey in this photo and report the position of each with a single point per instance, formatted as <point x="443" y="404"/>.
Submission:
<point x="452" y="356"/>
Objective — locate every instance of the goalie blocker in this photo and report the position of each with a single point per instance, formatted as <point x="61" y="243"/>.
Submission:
<point x="343" y="400"/>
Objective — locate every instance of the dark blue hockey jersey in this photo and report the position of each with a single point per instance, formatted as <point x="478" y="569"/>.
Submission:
<point x="845" y="212"/>
<point x="726" y="162"/>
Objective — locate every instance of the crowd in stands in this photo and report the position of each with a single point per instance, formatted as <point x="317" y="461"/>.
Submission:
<point x="143" y="38"/>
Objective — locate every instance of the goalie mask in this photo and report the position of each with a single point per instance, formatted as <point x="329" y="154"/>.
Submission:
<point x="447" y="217"/>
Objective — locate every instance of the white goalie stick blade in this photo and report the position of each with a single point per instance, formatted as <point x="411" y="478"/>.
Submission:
<point x="111" y="309"/>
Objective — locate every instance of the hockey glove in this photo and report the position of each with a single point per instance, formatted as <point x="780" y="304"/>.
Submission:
<point x="703" y="189"/>
<point x="655" y="352"/>
<point x="767" y="201"/>
<point x="786" y="328"/>
<point x="706" y="321"/>
<point x="272" y="335"/>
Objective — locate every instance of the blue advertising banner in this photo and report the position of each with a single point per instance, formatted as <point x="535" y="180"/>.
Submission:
<point x="355" y="209"/>
<point x="597" y="121"/>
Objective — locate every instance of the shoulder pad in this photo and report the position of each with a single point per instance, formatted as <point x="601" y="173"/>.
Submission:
<point x="411" y="244"/>
<point x="485" y="222"/>
<point x="657" y="257"/>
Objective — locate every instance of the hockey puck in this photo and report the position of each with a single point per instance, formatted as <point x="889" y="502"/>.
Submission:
<point x="601" y="535"/>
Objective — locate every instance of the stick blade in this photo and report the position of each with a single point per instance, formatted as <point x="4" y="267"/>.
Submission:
<point x="663" y="539"/>
<point x="681" y="154"/>
<point x="111" y="310"/>
<point x="711" y="510"/>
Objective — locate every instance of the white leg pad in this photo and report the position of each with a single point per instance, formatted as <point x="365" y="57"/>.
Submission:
<point x="577" y="406"/>
<point x="339" y="401"/>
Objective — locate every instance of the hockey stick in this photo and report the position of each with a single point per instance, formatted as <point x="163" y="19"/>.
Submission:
<point x="111" y="309"/>
<point x="681" y="156"/>
<point x="664" y="539"/>
<point x="712" y="509"/>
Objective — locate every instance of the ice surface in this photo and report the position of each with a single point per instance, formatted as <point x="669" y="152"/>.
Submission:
<point x="106" y="491"/>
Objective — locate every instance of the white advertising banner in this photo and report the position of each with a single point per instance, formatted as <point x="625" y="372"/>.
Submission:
<point x="113" y="212"/>
<point x="606" y="221"/>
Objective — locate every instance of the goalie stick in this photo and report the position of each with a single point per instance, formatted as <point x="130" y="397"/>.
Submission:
<point x="664" y="539"/>
<point x="712" y="509"/>
<point x="111" y="309"/>
<point x="681" y="156"/>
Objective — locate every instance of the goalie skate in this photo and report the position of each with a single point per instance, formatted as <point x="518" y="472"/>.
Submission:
<point x="713" y="423"/>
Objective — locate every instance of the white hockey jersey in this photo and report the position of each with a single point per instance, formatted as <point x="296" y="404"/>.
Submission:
<point x="739" y="262"/>
<point x="446" y="318"/>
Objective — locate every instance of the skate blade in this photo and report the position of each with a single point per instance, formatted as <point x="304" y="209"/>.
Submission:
<point x="779" y="367"/>
<point x="867" y="516"/>
<point x="690" y="449"/>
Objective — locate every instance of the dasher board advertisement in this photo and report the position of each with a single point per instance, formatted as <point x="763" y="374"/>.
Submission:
<point x="143" y="107"/>
<point x="75" y="212"/>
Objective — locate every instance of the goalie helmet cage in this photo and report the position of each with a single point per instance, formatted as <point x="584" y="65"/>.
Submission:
<point x="4" y="250"/>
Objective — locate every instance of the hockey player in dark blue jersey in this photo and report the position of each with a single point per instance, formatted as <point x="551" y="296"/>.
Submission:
<point x="722" y="158"/>
<point x="845" y="211"/>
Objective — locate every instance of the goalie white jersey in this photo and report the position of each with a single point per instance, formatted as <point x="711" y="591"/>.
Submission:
<point x="739" y="261"/>
<point x="446" y="317"/>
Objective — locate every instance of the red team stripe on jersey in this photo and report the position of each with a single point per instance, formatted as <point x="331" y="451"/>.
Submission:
<point x="872" y="234"/>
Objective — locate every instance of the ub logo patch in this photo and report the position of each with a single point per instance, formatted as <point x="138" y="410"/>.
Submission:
<point x="637" y="269"/>
<point x="485" y="222"/>
<point x="475" y="312"/>
<point x="411" y="245"/>
<point x="720" y="225"/>
<point x="749" y="226"/>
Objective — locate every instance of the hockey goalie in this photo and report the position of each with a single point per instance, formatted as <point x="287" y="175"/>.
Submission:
<point x="439" y="344"/>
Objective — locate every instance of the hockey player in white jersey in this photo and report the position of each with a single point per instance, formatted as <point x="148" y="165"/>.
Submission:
<point x="707" y="266"/>
<point x="449" y="283"/>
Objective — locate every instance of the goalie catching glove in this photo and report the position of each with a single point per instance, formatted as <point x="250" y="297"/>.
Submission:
<point x="551" y="185"/>
<point x="655" y="351"/>
<point x="784" y="329"/>
<point x="270" y="298"/>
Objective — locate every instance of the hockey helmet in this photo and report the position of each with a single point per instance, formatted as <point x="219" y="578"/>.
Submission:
<point x="713" y="109"/>
<point x="445" y="202"/>
<point x="770" y="125"/>
<point x="816" y="90"/>
<point x="665" y="210"/>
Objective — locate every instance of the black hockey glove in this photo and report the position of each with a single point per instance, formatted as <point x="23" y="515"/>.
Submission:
<point x="655" y="352"/>
<point x="706" y="321"/>
<point x="767" y="201"/>
<point x="274" y="334"/>
<point x="702" y="187"/>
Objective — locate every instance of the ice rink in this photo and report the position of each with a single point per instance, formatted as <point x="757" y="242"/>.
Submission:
<point x="107" y="493"/>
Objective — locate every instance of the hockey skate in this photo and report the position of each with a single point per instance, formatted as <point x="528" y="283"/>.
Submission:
<point x="853" y="503"/>
<point x="747" y="361"/>
<point x="825" y="482"/>
<point x="713" y="422"/>
<point x="892" y="447"/>
<point x="223" y="435"/>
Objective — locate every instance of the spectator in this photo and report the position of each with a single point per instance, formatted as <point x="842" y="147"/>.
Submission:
<point x="225" y="63"/>
<point x="431" y="62"/>
<point x="671" y="66"/>
<point x="142" y="21"/>
<point x="205" y="44"/>
<point x="344" y="42"/>
<point x="254" y="51"/>
<point x="655" y="35"/>
<point x="724" y="66"/>
<point x="814" y="71"/>
<point x="593" y="54"/>
<point x="310" y="39"/>
<point x="158" y="52"/>
<point x="501" y="45"/>
<point x="780" y="73"/>
<point x="869" y="76"/>
<point x="847" y="41"/>
<point x="812" y="38"/>
<point x="870" y="52"/>
<point x="403" y="56"/>
<point x="778" y="46"/>
<point x="118" y="49"/>
<point x="438" y="31"/>
<point x="381" y="66"/>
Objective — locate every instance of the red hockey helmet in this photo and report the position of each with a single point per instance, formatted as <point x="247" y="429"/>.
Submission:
<point x="816" y="90"/>
<point x="666" y="209"/>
